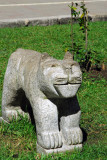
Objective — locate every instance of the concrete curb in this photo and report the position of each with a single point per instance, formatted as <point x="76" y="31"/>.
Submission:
<point x="46" y="21"/>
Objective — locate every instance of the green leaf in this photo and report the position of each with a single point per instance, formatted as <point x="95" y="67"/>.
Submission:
<point x="82" y="15"/>
<point x="74" y="8"/>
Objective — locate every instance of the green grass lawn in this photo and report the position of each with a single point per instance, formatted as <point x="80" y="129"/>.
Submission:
<point x="18" y="139"/>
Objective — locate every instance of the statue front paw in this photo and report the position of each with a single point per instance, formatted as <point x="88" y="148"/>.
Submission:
<point x="50" y="140"/>
<point x="73" y="135"/>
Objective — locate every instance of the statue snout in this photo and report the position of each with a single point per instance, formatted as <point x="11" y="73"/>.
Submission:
<point x="75" y="80"/>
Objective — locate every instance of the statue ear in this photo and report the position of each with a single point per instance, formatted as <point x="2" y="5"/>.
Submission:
<point x="44" y="57"/>
<point x="68" y="56"/>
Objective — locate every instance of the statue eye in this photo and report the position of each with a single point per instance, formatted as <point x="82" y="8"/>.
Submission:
<point x="53" y="65"/>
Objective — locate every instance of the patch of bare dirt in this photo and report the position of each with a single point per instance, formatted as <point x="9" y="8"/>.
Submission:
<point x="96" y="73"/>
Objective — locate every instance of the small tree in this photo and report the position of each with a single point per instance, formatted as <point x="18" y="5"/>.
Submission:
<point x="83" y="23"/>
<point x="74" y="13"/>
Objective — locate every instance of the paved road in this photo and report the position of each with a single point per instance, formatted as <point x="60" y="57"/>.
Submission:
<point x="12" y="10"/>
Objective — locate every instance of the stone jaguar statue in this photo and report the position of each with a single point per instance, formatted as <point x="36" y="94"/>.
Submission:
<point x="50" y="87"/>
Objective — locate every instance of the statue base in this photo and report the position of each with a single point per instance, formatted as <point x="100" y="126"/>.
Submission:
<point x="63" y="149"/>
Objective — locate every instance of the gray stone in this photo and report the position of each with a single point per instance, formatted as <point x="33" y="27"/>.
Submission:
<point x="63" y="149"/>
<point x="47" y="88"/>
<point x="2" y="120"/>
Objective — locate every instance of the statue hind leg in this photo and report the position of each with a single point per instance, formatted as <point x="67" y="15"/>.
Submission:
<point x="10" y="106"/>
<point x="11" y="101"/>
<point x="10" y="89"/>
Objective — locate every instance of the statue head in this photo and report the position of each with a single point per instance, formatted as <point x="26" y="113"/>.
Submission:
<point x="60" y="78"/>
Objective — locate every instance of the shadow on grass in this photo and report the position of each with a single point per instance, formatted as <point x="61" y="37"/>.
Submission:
<point x="84" y="135"/>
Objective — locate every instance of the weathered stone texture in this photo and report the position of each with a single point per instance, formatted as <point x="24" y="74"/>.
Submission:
<point x="47" y="88"/>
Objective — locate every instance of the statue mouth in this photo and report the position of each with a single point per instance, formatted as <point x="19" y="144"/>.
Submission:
<point x="67" y="84"/>
<point x="67" y="90"/>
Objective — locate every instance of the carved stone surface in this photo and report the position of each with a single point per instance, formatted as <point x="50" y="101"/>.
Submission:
<point x="46" y="88"/>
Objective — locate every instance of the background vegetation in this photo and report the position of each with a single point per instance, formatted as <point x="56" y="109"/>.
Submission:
<point x="18" y="139"/>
